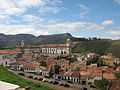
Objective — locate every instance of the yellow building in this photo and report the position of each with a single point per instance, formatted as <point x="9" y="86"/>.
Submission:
<point x="108" y="59"/>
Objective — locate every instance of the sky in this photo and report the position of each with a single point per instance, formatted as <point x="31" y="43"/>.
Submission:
<point x="81" y="18"/>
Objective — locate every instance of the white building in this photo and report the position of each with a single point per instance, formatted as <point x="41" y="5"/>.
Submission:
<point x="34" y="51"/>
<point x="8" y="86"/>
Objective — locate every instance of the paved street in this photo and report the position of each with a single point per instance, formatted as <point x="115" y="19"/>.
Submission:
<point x="56" y="87"/>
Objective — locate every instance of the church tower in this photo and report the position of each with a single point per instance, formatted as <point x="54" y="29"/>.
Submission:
<point x="68" y="45"/>
<point x="22" y="43"/>
<point x="68" y="42"/>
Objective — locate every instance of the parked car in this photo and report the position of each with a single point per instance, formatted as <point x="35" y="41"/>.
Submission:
<point x="55" y="82"/>
<point x="45" y="80"/>
<point x="40" y="79"/>
<point x="61" y="83"/>
<point x="66" y="85"/>
<point x="70" y="82"/>
<point x="35" y="78"/>
<point x="30" y="77"/>
<point x="50" y="81"/>
<point x="92" y="86"/>
<point x="22" y="74"/>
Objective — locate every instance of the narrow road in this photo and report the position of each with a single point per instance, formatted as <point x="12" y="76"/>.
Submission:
<point x="55" y="87"/>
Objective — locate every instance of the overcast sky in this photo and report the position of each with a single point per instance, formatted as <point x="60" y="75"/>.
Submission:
<point x="82" y="18"/>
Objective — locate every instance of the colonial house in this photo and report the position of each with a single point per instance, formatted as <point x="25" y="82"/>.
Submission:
<point x="92" y="55"/>
<point x="72" y="76"/>
<point x="43" y="71"/>
<point x="7" y="57"/>
<point x="31" y="67"/>
<point x="64" y="65"/>
<point x="18" y="65"/>
<point x="108" y="73"/>
<point x="50" y="62"/>
<point x="90" y="73"/>
<point x="117" y="61"/>
<point x="110" y="60"/>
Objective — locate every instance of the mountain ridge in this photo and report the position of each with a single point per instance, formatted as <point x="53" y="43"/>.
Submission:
<point x="12" y="40"/>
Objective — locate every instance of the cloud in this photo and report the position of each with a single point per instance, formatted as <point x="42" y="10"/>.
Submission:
<point x="71" y="27"/>
<point x="83" y="10"/>
<point x="9" y="9"/>
<point x="31" y="19"/>
<point x="20" y="6"/>
<point x="51" y="6"/>
<point x="113" y="33"/>
<point x="21" y="29"/>
<point x="50" y="28"/>
<point x="117" y="1"/>
<point x="27" y="3"/>
<point x="107" y="22"/>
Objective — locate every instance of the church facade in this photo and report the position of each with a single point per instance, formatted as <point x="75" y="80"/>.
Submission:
<point x="35" y="51"/>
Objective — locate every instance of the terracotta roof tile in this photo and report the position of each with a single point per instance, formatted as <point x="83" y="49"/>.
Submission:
<point x="8" y="52"/>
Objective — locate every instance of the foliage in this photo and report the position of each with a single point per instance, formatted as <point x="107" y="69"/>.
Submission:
<point x="72" y="59"/>
<point x="97" y="46"/>
<point x="7" y="48"/>
<point x="43" y="63"/>
<point x="101" y="84"/>
<point x="100" y="62"/>
<point x="115" y="48"/>
<point x="117" y="74"/>
<point x="92" y="61"/>
<point x="56" y="69"/>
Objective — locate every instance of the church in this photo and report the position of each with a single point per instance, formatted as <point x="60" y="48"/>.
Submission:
<point x="35" y="51"/>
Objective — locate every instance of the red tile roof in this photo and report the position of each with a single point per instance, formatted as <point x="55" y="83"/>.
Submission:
<point x="91" y="72"/>
<point x="72" y="73"/>
<point x="31" y="65"/>
<point x="8" y="52"/>
<point x="75" y="74"/>
<point x="118" y="69"/>
<point x="109" y="76"/>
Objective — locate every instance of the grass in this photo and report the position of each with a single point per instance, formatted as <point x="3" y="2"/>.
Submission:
<point x="9" y="77"/>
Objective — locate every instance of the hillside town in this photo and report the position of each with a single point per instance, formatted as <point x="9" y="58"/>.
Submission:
<point x="59" y="44"/>
<point x="56" y="64"/>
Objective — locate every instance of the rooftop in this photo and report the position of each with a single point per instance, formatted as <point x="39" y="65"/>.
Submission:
<point x="8" y="52"/>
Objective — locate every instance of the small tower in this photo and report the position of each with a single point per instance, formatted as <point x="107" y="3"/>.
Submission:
<point x="68" y="42"/>
<point x="68" y="45"/>
<point x="22" y="43"/>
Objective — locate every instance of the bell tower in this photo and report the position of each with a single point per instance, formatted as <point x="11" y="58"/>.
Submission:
<point x="68" y="42"/>
<point x="68" y="46"/>
<point x="22" y="43"/>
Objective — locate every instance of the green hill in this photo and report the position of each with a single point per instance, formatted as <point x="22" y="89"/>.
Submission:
<point x="115" y="48"/>
<point x="9" y="77"/>
<point x="98" y="46"/>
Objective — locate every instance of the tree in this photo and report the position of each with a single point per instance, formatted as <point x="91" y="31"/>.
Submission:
<point x="73" y="59"/>
<point x="117" y="74"/>
<point x="56" y="69"/>
<point x="100" y="62"/>
<point x="43" y="63"/>
<point x="101" y="84"/>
